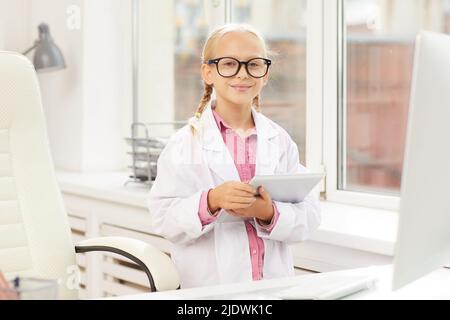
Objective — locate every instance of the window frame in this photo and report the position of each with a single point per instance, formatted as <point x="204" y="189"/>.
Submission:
<point x="333" y="108"/>
<point x="314" y="89"/>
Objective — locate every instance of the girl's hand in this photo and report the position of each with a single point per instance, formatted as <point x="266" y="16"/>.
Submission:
<point x="231" y="196"/>
<point x="262" y="208"/>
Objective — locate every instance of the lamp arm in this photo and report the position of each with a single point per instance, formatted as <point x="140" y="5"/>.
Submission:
<point x="28" y="50"/>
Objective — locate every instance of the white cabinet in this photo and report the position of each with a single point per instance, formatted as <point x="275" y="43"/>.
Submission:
<point x="106" y="274"/>
<point x="121" y="276"/>
<point x="99" y="205"/>
<point x="78" y="228"/>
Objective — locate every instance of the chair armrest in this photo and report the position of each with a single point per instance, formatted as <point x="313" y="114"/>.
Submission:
<point x="158" y="266"/>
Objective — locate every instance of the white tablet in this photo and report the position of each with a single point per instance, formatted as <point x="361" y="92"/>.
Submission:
<point x="291" y="188"/>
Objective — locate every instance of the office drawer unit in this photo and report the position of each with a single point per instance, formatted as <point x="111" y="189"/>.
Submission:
<point x="121" y="275"/>
<point x="105" y="274"/>
<point x="78" y="232"/>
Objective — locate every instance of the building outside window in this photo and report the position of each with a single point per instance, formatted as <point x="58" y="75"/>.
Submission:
<point x="379" y="49"/>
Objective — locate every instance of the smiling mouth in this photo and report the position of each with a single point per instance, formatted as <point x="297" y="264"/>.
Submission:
<point x="241" y="88"/>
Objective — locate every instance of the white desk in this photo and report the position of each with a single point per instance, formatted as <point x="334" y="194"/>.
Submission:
<point x="436" y="285"/>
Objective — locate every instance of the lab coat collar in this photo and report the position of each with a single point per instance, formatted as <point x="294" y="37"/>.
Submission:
<point x="218" y="156"/>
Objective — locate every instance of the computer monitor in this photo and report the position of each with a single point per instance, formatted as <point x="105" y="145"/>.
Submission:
<point x="423" y="239"/>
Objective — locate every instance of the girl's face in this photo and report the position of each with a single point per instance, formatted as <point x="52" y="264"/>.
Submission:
<point x="242" y="88"/>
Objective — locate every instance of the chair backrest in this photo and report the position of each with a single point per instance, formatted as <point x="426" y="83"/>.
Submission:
<point x="34" y="230"/>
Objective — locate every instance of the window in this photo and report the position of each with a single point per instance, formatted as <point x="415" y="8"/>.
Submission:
<point x="283" y="25"/>
<point x="171" y="36"/>
<point x="377" y="68"/>
<point x="174" y="34"/>
<point x="191" y="30"/>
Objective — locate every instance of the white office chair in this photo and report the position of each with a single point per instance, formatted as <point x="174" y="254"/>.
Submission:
<point x="35" y="236"/>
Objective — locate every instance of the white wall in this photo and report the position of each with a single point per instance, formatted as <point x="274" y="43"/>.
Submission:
<point x="15" y="20"/>
<point x="86" y="112"/>
<point x="88" y="104"/>
<point x="156" y="63"/>
<point x="62" y="91"/>
<point x="106" y="83"/>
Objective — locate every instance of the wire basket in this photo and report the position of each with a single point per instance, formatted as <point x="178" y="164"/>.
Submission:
<point x="145" y="150"/>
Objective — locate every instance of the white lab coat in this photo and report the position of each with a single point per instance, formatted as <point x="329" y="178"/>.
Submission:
<point x="219" y="253"/>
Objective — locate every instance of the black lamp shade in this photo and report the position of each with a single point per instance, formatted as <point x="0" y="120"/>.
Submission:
<point x="48" y="56"/>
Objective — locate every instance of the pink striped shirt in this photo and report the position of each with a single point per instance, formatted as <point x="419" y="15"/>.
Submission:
<point x="243" y="151"/>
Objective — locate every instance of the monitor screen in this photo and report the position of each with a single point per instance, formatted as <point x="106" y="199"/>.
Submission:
<point x="423" y="239"/>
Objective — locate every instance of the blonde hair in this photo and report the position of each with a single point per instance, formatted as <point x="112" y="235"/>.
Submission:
<point x="207" y="54"/>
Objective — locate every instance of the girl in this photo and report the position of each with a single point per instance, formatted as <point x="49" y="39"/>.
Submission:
<point x="201" y="200"/>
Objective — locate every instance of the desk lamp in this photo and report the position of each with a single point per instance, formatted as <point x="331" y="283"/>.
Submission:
<point x="48" y="56"/>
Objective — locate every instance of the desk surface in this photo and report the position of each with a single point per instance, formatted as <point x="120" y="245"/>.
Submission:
<point x="435" y="285"/>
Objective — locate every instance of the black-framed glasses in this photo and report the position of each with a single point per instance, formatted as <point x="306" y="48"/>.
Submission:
<point x="228" y="67"/>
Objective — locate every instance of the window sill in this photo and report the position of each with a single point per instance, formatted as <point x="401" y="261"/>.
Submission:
<point x="360" y="228"/>
<point x="343" y="225"/>
<point x="106" y="186"/>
